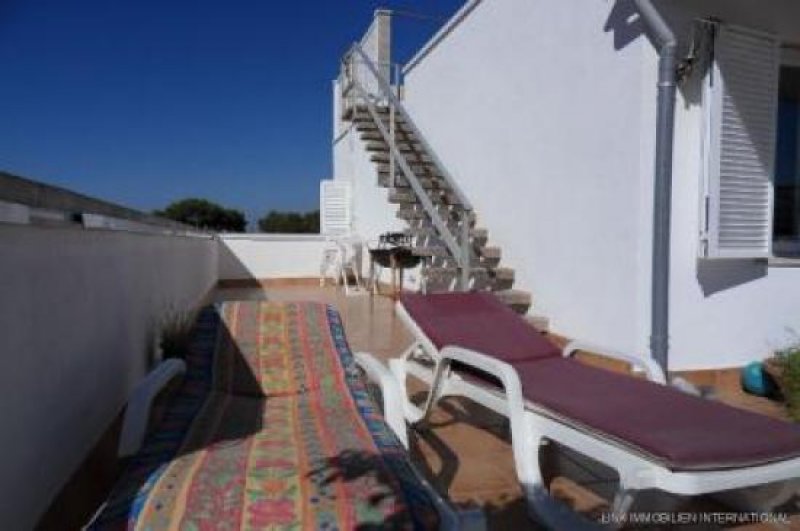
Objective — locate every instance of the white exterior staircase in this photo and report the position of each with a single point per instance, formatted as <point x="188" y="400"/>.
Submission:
<point x="426" y="195"/>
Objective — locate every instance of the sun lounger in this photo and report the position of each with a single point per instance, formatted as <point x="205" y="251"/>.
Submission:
<point x="654" y="436"/>
<point x="271" y="426"/>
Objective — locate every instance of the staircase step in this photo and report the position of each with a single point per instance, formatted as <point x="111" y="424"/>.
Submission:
<point x="477" y="234"/>
<point x="452" y="271"/>
<point x="365" y="125"/>
<point x="435" y="250"/>
<point x="417" y="169"/>
<point x="382" y="157"/>
<point x="539" y="322"/>
<point x="410" y="214"/>
<point x="406" y="148"/>
<point x="490" y="256"/>
<point x="500" y="273"/>
<point x="416" y="212"/>
<point x="401" y="182"/>
<point x="372" y="136"/>
<point x="445" y="278"/>
<point x="366" y="117"/>
<point x="503" y="278"/>
<point x="381" y="109"/>
<point x="401" y="135"/>
<point x="362" y="113"/>
<point x="519" y="301"/>
<point x="406" y="196"/>
<point x="452" y="215"/>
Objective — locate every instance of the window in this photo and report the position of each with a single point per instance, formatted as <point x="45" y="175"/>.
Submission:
<point x="786" y="224"/>
<point x="740" y="100"/>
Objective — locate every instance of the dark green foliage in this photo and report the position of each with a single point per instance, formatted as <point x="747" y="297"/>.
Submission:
<point x="789" y="360"/>
<point x="204" y="214"/>
<point x="290" y="222"/>
<point x="175" y="333"/>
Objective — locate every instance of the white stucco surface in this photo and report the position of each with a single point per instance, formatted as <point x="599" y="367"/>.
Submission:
<point x="539" y="109"/>
<point x="724" y="313"/>
<point x="78" y="309"/>
<point x="260" y="256"/>
<point x="544" y="112"/>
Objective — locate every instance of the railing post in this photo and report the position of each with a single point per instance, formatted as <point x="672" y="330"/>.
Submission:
<point x="398" y="81"/>
<point x="392" y="126"/>
<point x="465" y="250"/>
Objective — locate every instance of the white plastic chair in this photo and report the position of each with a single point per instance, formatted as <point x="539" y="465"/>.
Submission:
<point x="341" y="258"/>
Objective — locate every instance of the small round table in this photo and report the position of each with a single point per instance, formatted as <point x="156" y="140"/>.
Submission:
<point x="398" y="258"/>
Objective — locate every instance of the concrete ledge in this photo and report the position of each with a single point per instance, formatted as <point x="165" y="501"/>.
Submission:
<point x="259" y="283"/>
<point x="36" y="195"/>
<point x="272" y="237"/>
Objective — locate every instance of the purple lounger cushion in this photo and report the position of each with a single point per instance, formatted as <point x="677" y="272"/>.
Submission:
<point x="680" y="431"/>
<point x="477" y="321"/>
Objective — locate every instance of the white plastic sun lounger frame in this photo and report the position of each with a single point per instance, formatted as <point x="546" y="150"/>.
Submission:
<point x="141" y="401"/>
<point x="532" y="426"/>
<point x="393" y="399"/>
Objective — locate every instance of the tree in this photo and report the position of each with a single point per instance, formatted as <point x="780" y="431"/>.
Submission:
<point x="290" y="222"/>
<point x="204" y="214"/>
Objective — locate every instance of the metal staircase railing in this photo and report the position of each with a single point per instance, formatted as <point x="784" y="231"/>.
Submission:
<point x="459" y="247"/>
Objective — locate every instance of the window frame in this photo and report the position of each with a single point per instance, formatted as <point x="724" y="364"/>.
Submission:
<point x="788" y="252"/>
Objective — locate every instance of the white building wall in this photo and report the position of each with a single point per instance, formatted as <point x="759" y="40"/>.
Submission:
<point x="372" y="212"/>
<point x="538" y="109"/>
<point x="544" y="111"/>
<point x="78" y="309"/>
<point x="724" y="313"/>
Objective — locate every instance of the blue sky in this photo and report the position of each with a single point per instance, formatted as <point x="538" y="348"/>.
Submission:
<point x="142" y="102"/>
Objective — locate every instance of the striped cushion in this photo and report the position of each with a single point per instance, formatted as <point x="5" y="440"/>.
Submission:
<point x="296" y="443"/>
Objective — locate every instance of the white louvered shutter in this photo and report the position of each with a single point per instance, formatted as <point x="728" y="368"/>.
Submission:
<point x="335" y="208"/>
<point x="741" y="104"/>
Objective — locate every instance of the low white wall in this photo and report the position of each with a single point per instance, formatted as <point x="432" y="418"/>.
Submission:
<point x="77" y="311"/>
<point x="260" y="256"/>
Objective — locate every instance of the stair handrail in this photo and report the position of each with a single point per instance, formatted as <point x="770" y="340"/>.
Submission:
<point x="388" y="93"/>
<point x="411" y="177"/>
<point x="462" y="253"/>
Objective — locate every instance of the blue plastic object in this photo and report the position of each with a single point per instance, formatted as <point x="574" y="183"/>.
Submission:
<point x="756" y="381"/>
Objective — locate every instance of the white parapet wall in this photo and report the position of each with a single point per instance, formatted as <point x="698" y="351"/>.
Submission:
<point x="78" y="312"/>
<point x="262" y="256"/>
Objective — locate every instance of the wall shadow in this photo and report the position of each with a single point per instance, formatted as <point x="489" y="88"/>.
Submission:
<point x="715" y="276"/>
<point x="625" y="23"/>
<point x="227" y="419"/>
<point x="366" y="468"/>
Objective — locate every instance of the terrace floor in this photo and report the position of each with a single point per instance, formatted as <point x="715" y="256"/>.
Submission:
<point x="466" y="453"/>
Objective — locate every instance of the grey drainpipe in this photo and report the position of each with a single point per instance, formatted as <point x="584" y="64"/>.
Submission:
<point x="662" y="196"/>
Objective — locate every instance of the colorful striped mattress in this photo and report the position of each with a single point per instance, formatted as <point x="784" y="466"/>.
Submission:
<point x="271" y="428"/>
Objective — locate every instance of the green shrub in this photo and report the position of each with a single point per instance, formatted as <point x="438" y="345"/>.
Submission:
<point x="789" y="360"/>
<point x="175" y="330"/>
